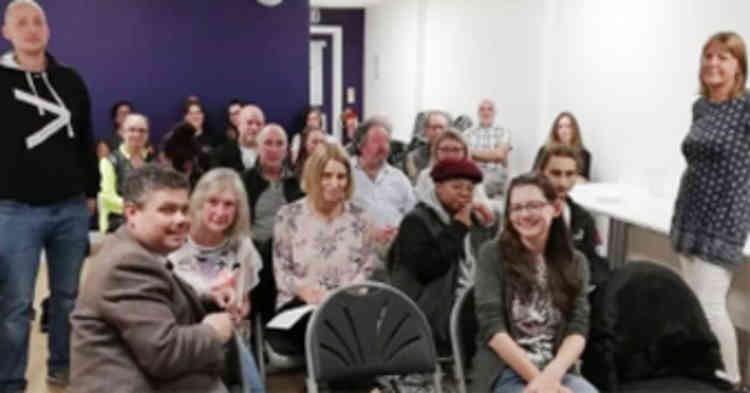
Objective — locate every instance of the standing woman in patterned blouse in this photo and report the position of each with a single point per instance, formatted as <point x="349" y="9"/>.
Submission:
<point x="712" y="213"/>
<point x="321" y="242"/>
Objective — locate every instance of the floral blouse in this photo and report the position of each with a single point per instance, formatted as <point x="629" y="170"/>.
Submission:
<point x="310" y="250"/>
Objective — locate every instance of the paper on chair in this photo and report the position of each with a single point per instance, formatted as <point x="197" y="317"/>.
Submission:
<point x="285" y="320"/>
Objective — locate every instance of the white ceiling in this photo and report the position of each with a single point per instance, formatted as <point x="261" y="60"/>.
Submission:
<point x="343" y="3"/>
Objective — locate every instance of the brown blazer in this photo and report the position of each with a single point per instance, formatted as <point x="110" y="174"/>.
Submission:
<point x="136" y="327"/>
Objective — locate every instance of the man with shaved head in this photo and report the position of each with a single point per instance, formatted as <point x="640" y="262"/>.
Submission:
<point x="48" y="188"/>
<point x="270" y="184"/>
<point x="242" y="153"/>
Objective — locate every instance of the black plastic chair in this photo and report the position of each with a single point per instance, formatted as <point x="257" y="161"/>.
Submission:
<point x="367" y="330"/>
<point x="463" y="335"/>
<point x="649" y="334"/>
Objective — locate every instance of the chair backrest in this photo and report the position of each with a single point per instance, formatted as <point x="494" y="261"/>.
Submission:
<point x="647" y="323"/>
<point x="464" y="328"/>
<point x="365" y="330"/>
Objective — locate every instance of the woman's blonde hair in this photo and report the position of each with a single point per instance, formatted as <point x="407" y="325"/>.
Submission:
<point x="734" y="44"/>
<point x="452" y="134"/>
<point x="554" y="138"/>
<point x="316" y="163"/>
<point x="214" y="182"/>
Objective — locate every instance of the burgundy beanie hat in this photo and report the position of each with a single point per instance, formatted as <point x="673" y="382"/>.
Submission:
<point x="456" y="169"/>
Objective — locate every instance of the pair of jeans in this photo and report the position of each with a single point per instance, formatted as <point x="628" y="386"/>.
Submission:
<point x="510" y="382"/>
<point x="61" y="230"/>
<point x="251" y="374"/>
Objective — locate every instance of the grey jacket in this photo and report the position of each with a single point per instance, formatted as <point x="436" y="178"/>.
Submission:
<point x="492" y="315"/>
<point x="137" y="327"/>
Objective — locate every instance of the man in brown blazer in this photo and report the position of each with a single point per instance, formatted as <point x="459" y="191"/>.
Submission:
<point x="136" y="326"/>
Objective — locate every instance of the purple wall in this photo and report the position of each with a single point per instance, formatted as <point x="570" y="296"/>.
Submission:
<point x="352" y="22"/>
<point x="155" y="53"/>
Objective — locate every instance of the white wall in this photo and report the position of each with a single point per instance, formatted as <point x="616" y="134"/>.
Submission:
<point x="391" y="39"/>
<point x="627" y="69"/>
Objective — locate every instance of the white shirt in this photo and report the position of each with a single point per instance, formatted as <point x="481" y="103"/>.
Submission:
<point x="387" y="199"/>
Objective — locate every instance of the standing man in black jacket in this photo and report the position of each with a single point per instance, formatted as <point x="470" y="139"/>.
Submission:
<point x="48" y="184"/>
<point x="560" y="164"/>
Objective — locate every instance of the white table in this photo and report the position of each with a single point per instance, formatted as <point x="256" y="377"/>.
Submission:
<point x="627" y="205"/>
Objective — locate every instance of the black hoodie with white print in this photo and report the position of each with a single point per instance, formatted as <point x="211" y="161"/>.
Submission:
<point x="46" y="144"/>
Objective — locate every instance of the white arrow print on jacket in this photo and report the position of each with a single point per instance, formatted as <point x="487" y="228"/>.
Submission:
<point x="52" y="127"/>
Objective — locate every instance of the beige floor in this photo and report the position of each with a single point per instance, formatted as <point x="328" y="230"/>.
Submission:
<point x="37" y="369"/>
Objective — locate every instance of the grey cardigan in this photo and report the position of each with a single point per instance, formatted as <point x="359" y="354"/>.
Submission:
<point x="492" y="314"/>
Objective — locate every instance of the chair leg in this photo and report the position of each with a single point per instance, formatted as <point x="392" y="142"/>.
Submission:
<point x="259" y="347"/>
<point x="312" y="385"/>
<point x="438" y="379"/>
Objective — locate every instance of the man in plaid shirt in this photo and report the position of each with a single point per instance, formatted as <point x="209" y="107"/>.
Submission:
<point x="490" y="147"/>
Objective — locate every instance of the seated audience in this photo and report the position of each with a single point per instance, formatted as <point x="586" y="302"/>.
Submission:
<point x="530" y="297"/>
<point x="311" y="137"/>
<point x="490" y="148"/>
<point x="435" y="123"/>
<point x="180" y="150"/>
<point x="270" y="185"/>
<point x="195" y="114"/>
<point x="313" y="119"/>
<point x="233" y="119"/>
<point x="118" y="112"/>
<point x="349" y="123"/>
<point x="565" y="131"/>
<point x="137" y="327"/>
<point x="218" y="251"/>
<point x="131" y="154"/>
<point x="382" y="190"/>
<point x="559" y="164"/>
<point x="463" y="123"/>
<point x="241" y="154"/>
<point x="450" y="145"/>
<point x="428" y="259"/>
<point x="102" y="149"/>
<point x="321" y="242"/>
<point x="205" y="137"/>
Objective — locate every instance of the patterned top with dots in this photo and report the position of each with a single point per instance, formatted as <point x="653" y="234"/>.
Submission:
<point x="712" y="212"/>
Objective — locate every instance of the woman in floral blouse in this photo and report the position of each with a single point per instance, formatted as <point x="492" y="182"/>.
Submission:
<point x="321" y="242"/>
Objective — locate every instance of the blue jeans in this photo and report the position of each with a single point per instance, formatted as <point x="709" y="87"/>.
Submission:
<point x="510" y="382"/>
<point x="251" y="376"/>
<point x="61" y="229"/>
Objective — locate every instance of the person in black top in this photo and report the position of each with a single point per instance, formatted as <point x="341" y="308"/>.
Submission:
<point x="241" y="154"/>
<point x="559" y="164"/>
<point x="118" y="112"/>
<point x="270" y="184"/>
<point x="48" y="189"/>
<point x="566" y="131"/>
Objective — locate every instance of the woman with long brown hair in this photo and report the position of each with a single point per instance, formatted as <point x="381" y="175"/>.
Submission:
<point x="531" y="301"/>
<point x="566" y="131"/>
